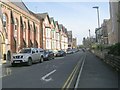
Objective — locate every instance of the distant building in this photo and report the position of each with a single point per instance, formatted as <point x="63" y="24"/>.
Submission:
<point x="74" y="42"/>
<point x="88" y="42"/>
<point x="104" y="35"/>
<point x="69" y="39"/>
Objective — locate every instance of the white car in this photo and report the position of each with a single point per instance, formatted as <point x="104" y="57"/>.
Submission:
<point x="41" y="54"/>
<point x="27" y="56"/>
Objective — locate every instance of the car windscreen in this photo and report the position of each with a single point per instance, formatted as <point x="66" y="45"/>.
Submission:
<point x="25" y="51"/>
<point x="59" y="51"/>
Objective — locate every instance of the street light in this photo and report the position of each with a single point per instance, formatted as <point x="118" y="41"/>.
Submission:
<point x="96" y="7"/>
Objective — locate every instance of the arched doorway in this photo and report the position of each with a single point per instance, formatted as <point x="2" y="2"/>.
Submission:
<point x="2" y="45"/>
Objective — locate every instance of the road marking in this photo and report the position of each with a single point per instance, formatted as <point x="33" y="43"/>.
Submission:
<point x="74" y="75"/>
<point x="71" y="77"/>
<point x="59" y="57"/>
<point x="47" y="75"/>
<point x="78" y="78"/>
<point x="5" y="72"/>
<point x="8" y="71"/>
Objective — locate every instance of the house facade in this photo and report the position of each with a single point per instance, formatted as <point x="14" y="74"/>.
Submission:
<point x="3" y="44"/>
<point x="69" y="39"/>
<point x="53" y="34"/>
<point x="57" y="35"/>
<point x="46" y="25"/>
<point x="21" y="28"/>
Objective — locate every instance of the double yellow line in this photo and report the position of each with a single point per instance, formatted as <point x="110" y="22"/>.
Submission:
<point x="71" y="77"/>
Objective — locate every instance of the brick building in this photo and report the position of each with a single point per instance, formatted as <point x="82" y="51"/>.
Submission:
<point x="22" y="28"/>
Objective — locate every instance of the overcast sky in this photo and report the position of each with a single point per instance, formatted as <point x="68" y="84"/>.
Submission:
<point x="76" y="16"/>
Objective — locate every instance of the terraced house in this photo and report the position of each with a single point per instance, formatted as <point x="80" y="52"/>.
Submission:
<point x="23" y="28"/>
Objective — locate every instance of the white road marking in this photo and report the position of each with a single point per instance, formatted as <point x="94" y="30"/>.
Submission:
<point x="59" y="57"/>
<point x="49" y="79"/>
<point x="5" y="72"/>
<point x="78" y="78"/>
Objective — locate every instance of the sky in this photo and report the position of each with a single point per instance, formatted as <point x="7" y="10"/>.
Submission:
<point x="76" y="16"/>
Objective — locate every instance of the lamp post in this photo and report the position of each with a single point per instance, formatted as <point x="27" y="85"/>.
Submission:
<point x="90" y="43"/>
<point x="96" y="7"/>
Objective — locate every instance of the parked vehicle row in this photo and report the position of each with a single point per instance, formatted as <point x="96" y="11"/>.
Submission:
<point x="28" y="56"/>
<point x="60" y="53"/>
<point x="71" y="51"/>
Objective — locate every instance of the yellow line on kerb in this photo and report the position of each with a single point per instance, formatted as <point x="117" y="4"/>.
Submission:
<point x="71" y="77"/>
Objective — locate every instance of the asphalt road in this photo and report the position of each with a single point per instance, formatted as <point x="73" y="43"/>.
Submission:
<point x="82" y="69"/>
<point x="57" y="73"/>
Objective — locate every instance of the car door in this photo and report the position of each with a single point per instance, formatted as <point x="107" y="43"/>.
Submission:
<point x="37" y="55"/>
<point x="33" y="55"/>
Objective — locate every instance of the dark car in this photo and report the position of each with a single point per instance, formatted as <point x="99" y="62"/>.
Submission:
<point x="69" y="51"/>
<point x="48" y="55"/>
<point x="60" y="53"/>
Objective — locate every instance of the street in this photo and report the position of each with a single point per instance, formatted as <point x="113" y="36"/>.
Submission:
<point x="63" y="72"/>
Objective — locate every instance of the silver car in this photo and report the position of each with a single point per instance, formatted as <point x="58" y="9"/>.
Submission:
<point x="26" y="56"/>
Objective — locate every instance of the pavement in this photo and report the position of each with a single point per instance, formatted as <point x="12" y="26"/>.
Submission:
<point x="97" y="74"/>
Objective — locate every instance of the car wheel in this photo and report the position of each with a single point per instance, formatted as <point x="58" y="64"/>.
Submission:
<point x="41" y="60"/>
<point x="53" y="57"/>
<point x="13" y="65"/>
<point x="29" y="63"/>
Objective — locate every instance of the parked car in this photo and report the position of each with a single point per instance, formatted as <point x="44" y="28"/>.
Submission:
<point x="48" y="55"/>
<point x="69" y="51"/>
<point x="60" y="53"/>
<point x="74" y="50"/>
<point x="55" y="52"/>
<point x="41" y="53"/>
<point x="26" y="56"/>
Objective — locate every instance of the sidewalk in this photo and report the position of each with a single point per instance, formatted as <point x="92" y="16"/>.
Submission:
<point x="97" y="74"/>
<point x="5" y="69"/>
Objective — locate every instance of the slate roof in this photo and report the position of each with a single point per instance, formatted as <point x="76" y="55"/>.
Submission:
<point x="60" y="26"/>
<point x="35" y="15"/>
<point x="51" y="19"/>
<point x="43" y="16"/>
<point x="20" y="4"/>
